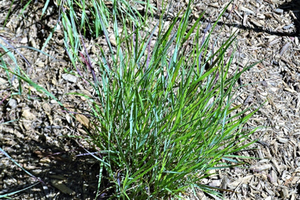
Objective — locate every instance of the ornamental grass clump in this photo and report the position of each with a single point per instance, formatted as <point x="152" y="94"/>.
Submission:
<point x="164" y="115"/>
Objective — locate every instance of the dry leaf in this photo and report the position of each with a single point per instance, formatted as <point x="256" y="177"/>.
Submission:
<point x="83" y="120"/>
<point x="62" y="187"/>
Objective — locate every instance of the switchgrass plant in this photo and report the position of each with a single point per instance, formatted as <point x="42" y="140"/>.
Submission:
<point x="164" y="116"/>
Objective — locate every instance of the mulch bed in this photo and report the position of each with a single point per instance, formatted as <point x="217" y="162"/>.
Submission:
<point x="37" y="131"/>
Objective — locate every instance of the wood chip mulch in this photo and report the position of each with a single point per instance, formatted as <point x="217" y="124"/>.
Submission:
<point x="34" y="131"/>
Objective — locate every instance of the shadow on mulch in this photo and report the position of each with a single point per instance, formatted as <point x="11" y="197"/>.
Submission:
<point x="293" y="6"/>
<point x="76" y="172"/>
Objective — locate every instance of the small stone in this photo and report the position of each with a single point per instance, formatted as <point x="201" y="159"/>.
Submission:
<point x="70" y="78"/>
<point x="12" y="103"/>
<point x="24" y="40"/>
<point x="28" y="115"/>
<point x="215" y="183"/>
<point x="3" y="81"/>
<point x="47" y="108"/>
